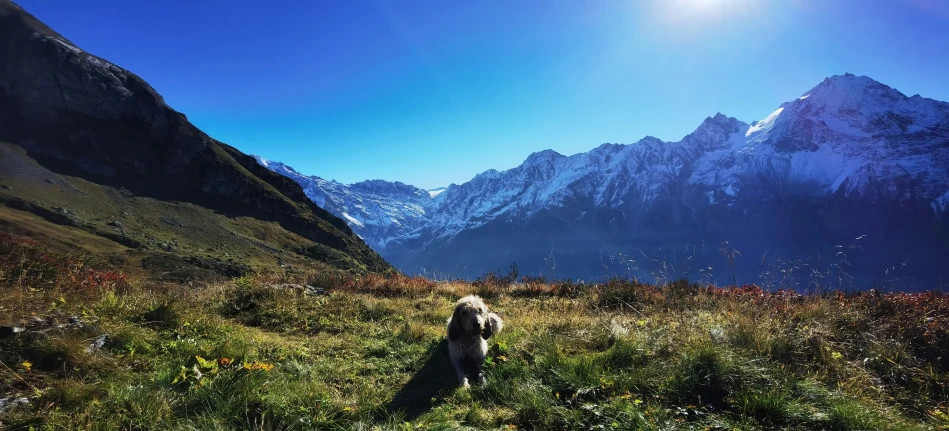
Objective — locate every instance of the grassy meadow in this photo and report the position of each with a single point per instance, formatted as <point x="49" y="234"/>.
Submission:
<point x="368" y="352"/>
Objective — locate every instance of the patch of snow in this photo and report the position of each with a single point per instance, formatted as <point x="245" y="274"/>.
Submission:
<point x="804" y="97"/>
<point x="68" y="46"/>
<point x="764" y="124"/>
<point x="353" y="220"/>
<point x="840" y="126"/>
<point x="436" y="192"/>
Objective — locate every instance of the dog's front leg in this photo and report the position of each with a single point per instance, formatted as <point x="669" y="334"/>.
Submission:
<point x="479" y="372"/>
<point x="460" y="372"/>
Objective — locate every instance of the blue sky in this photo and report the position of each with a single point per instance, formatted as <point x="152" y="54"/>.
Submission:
<point x="433" y="92"/>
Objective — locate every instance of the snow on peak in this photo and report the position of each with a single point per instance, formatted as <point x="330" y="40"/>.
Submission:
<point x="376" y="210"/>
<point x="851" y="90"/>
<point x="765" y="124"/>
<point x="436" y="191"/>
<point x="715" y="130"/>
<point x="487" y="175"/>
<point x="543" y="156"/>
<point x="847" y="135"/>
<point x="262" y="161"/>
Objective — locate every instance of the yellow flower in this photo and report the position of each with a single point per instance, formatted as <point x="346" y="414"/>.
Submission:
<point x="258" y="366"/>
<point x="27" y="365"/>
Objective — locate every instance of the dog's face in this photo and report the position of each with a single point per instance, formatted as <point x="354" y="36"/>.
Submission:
<point x="470" y="319"/>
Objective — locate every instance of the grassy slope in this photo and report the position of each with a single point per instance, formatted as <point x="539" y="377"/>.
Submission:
<point x="371" y="355"/>
<point x="134" y="231"/>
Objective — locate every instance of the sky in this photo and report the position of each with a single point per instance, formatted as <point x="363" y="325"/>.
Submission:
<point x="434" y="92"/>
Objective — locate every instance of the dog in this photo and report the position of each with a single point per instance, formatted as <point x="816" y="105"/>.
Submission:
<point x="469" y="328"/>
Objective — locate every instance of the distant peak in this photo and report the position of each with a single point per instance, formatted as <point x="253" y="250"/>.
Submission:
<point x="542" y="156"/>
<point x="383" y="186"/>
<point x="649" y="139"/>
<point x="852" y="79"/>
<point x="609" y="148"/>
<point x="849" y="87"/>
<point x="488" y="174"/>
<point x="718" y="123"/>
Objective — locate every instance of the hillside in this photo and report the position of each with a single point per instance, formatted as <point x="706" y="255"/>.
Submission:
<point x="86" y="348"/>
<point x="94" y="158"/>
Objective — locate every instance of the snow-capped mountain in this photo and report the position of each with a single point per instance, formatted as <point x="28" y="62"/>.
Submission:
<point x="851" y="158"/>
<point x="376" y="210"/>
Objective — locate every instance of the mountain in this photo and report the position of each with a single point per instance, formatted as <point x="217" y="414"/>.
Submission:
<point x="93" y="156"/>
<point x="378" y="211"/>
<point x="850" y="181"/>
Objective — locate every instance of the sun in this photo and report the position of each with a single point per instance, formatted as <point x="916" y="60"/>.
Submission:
<point x="703" y="3"/>
<point x="687" y="12"/>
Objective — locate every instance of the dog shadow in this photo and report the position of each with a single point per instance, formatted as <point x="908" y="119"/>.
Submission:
<point x="434" y="380"/>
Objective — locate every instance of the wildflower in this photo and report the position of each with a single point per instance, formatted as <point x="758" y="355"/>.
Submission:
<point x="224" y="361"/>
<point x="258" y="366"/>
<point x="27" y="365"/>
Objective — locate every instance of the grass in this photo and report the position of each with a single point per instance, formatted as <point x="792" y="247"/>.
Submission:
<point x="370" y="353"/>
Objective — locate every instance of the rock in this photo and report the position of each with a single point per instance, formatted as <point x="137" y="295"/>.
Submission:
<point x="116" y="223"/>
<point x="7" y="404"/>
<point x="171" y="222"/>
<point x="310" y="290"/>
<point x="64" y="211"/>
<point x="97" y="344"/>
<point x="307" y="289"/>
<point x="40" y="325"/>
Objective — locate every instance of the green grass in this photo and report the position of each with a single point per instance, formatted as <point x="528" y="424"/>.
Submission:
<point x="371" y="354"/>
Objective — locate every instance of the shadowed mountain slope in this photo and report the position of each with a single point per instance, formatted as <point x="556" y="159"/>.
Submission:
<point x="89" y="121"/>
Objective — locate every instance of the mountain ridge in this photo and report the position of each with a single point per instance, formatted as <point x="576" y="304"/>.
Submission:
<point x="80" y="116"/>
<point x="848" y="140"/>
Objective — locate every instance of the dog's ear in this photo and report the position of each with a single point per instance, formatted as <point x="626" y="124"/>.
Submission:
<point x="453" y="330"/>
<point x="493" y="326"/>
<point x="487" y="332"/>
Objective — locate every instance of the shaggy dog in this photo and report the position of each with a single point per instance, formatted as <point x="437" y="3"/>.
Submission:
<point x="468" y="331"/>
